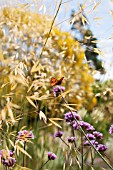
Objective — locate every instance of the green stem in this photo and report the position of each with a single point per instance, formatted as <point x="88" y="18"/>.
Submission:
<point x="92" y="159"/>
<point x="73" y="132"/>
<point x="23" y="154"/>
<point x="87" y="150"/>
<point x="108" y="158"/>
<point x="64" y="142"/>
<point x="44" y="164"/>
<point x="82" y="153"/>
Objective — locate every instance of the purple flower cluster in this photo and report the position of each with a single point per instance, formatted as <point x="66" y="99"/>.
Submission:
<point x="90" y="136"/>
<point x="86" y="126"/>
<point x="70" y="116"/>
<point x="95" y="143"/>
<point x="75" y="125"/>
<point x="93" y="137"/>
<point x="58" y="134"/>
<point x="25" y="134"/>
<point x="57" y="90"/>
<point x="98" y="135"/>
<point x="111" y="129"/>
<point x="73" y="119"/>
<point x="51" y="156"/>
<point x="101" y="147"/>
<point x="71" y="139"/>
<point x="7" y="158"/>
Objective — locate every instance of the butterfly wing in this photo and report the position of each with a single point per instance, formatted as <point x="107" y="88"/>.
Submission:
<point x="60" y="81"/>
<point x="53" y="81"/>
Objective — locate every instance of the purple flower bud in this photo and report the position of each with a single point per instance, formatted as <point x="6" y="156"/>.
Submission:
<point x="51" y="156"/>
<point x="71" y="139"/>
<point x="98" y="135"/>
<point x="57" y="90"/>
<point x="69" y="117"/>
<point x="11" y="153"/>
<point x="11" y="162"/>
<point x="90" y="136"/>
<point x="90" y="128"/>
<point x="58" y="134"/>
<point x="25" y="134"/>
<point x="5" y="162"/>
<point x="6" y="158"/>
<point x="31" y="135"/>
<point x="101" y="147"/>
<point x="95" y="143"/>
<point x="75" y="126"/>
<point x="84" y="125"/>
<point x="111" y="129"/>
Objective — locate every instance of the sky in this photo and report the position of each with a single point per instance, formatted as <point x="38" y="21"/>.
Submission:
<point x="100" y="21"/>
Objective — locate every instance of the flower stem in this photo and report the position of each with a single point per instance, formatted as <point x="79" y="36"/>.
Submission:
<point x="5" y="167"/>
<point x="92" y="159"/>
<point x="23" y="154"/>
<point x="87" y="150"/>
<point x="73" y="132"/>
<point x="82" y="153"/>
<point x="64" y="142"/>
<point x="108" y="158"/>
<point x="44" y="164"/>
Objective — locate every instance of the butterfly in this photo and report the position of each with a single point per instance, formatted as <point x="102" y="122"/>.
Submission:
<point x="54" y="81"/>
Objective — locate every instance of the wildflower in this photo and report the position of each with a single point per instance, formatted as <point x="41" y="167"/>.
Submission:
<point x="51" y="156"/>
<point x="58" y="134"/>
<point x="90" y="136"/>
<point x="111" y="129"/>
<point x="90" y="128"/>
<point x="101" y="147"/>
<point x="75" y="126"/>
<point x="70" y="116"/>
<point x="24" y="135"/>
<point x="57" y="90"/>
<point x="7" y="158"/>
<point x="95" y="143"/>
<point x="71" y="139"/>
<point x="98" y="135"/>
<point x="84" y="125"/>
<point x="11" y="153"/>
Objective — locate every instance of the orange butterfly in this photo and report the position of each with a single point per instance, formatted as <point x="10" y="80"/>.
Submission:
<point x="54" y="81"/>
